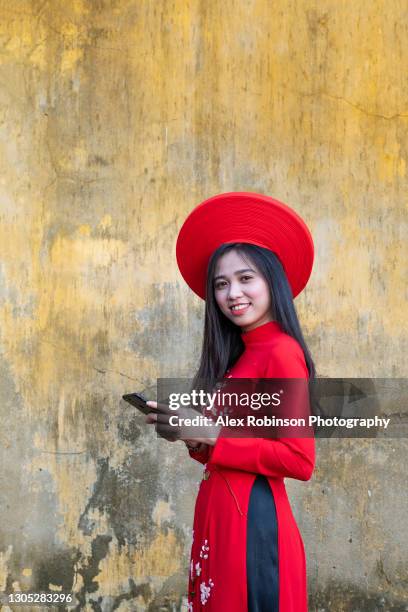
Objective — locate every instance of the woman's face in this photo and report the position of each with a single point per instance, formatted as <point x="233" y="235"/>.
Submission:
<point x="239" y="283"/>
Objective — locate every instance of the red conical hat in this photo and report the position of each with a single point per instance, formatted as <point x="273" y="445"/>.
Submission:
<point x="244" y="217"/>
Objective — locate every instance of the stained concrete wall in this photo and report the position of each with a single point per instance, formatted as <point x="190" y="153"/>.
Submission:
<point x="117" y="117"/>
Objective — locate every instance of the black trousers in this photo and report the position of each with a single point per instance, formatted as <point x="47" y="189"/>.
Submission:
<point x="262" y="549"/>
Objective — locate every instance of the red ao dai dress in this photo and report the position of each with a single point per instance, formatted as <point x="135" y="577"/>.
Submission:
<point x="219" y="575"/>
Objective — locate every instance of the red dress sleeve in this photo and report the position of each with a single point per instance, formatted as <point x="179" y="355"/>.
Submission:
<point x="202" y="456"/>
<point x="276" y="458"/>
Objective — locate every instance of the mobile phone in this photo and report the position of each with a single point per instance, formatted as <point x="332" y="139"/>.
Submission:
<point x="139" y="401"/>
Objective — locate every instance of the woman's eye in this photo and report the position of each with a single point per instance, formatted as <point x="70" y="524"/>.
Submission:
<point x="219" y="285"/>
<point x="246" y="277"/>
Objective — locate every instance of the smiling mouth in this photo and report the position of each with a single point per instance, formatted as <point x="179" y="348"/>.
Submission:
<point x="239" y="307"/>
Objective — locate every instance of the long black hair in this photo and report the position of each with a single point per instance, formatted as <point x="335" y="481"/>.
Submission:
<point x="222" y="342"/>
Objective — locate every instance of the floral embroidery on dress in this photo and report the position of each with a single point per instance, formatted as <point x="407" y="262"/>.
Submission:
<point x="205" y="591"/>
<point x="204" y="550"/>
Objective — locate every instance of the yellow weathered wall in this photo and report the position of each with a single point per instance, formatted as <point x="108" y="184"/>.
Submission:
<point x="116" y="118"/>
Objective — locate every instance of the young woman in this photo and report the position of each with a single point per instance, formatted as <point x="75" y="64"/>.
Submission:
<point x="248" y="256"/>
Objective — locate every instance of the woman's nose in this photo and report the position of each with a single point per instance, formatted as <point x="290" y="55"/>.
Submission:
<point x="235" y="291"/>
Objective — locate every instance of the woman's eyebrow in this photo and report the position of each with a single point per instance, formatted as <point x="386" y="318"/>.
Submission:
<point x="236" y="272"/>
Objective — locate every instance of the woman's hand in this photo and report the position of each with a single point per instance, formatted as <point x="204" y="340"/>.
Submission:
<point x="172" y="433"/>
